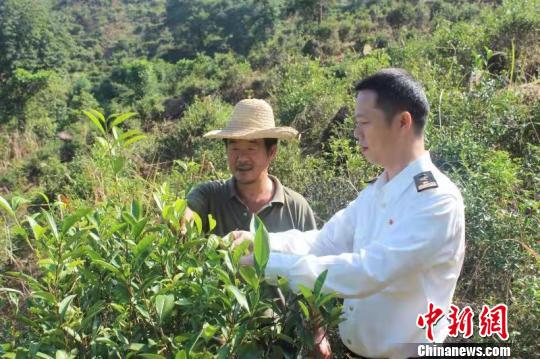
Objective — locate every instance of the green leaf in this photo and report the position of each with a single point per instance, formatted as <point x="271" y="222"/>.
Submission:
<point x="125" y="135"/>
<point x="48" y="297"/>
<point x="304" y="309"/>
<point x="114" y="131"/>
<point x="239" y="251"/>
<point x="250" y="276"/>
<point x="133" y="140"/>
<point x="141" y="250"/>
<point x="16" y="201"/>
<point x="43" y="356"/>
<point x="164" y="306"/>
<point x="119" y="118"/>
<point x="198" y="222"/>
<point x="96" y="121"/>
<point x="240" y="297"/>
<point x="103" y="143"/>
<point x="107" y="341"/>
<point x="64" y="305"/>
<point x="106" y="265"/>
<point x="181" y="355"/>
<point x="61" y="354"/>
<point x="319" y="283"/>
<point x="36" y="228"/>
<point x="152" y="356"/>
<point x="138" y="229"/>
<point x="324" y="299"/>
<point x="208" y="331"/>
<point x="261" y="247"/>
<point x="211" y="223"/>
<point x="94" y="310"/>
<point x="6" y="207"/>
<point x="136" y="346"/>
<point x="52" y="225"/>
<point x="74" y="218"/>
<point x="136" y="209"/>
<point x="306" y="292"/>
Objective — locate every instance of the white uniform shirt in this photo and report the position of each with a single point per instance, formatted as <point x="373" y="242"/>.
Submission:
<point x="393" y="250"/>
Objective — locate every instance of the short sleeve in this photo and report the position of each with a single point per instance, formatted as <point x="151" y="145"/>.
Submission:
<point x="198" y="201"/>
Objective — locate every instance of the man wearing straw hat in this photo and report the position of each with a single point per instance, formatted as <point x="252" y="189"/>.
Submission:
<point x="251" y="141"/>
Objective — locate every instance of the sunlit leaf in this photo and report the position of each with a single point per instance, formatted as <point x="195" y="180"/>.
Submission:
<point x="164" y="305"/>
<point x="16" y="201"/>
<point x="74" y="218"/>
<point x="198" y="222"/>
<point x="306" y="292"/>
<point x="4" y="205"/>
<point x="95" y="120"/>
<point x="117" y="119"/>
<point x="319" y="283"/>
<point x="36" y="228"/>
<point x="304" y="309"/>
<point x="208" y="331"/>
<point x="240" y="297"/>
<point x="64" y="305"/>
<point x="211" y="223"/>
<point x="52" y="224"/>
<point x="250" y="276"/>
<point x="133" y="140"/>
<point x="261" y="247"/>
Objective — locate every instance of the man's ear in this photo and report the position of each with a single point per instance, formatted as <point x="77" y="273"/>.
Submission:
<point x="405" y="120"/>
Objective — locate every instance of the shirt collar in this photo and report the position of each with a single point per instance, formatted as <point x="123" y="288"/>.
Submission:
<point x="393" y="188"/>
<point x="279" y="193"/>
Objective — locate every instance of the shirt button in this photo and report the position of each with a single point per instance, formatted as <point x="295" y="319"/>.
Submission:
<point x="245" y="214"/>
<point x="351" y="308"/>
<point x="349" y="341"/>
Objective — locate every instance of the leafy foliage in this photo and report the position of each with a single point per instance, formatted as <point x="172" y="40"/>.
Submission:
<point x="181" y="66"/>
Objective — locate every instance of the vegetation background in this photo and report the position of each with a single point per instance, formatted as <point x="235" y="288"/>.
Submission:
<point x="79" y="217"/>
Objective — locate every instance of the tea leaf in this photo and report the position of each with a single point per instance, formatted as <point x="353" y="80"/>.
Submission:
<point x="240" y="297"/>
<point x="74" y="218"/>
<point x="261" y="247"/>
<point x="64" y="305"/>
<point x="6" y="207"/>
<point x="164" y="306"/>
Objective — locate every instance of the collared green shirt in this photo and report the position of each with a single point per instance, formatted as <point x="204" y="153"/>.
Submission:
<point x="287" y="209"/>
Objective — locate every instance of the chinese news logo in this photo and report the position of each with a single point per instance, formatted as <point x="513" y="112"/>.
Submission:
<point x="492" y="320"/>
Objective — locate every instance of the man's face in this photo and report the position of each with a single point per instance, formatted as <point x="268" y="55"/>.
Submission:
<point x="248" y="159"/>
<point x="376" y="137"/>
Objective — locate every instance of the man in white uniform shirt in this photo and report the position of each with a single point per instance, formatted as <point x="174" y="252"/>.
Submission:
<point x="399" y="245"/>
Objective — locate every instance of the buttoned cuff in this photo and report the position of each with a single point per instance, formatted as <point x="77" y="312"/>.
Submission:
<point x="278" y="266"/>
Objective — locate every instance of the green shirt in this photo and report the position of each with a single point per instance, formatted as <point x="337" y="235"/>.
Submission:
<point x="287" y="209"/>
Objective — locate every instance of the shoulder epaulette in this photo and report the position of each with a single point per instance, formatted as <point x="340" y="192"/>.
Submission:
<point x="425" y="180"/>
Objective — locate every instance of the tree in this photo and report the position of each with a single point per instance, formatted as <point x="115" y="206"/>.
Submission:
<point x="31" y="37"/>
<point x="211" y="26"/>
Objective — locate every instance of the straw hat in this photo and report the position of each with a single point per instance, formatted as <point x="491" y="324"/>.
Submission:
<point x="253" y="119"/>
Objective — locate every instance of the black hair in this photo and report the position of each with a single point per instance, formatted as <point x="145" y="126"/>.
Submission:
<point x="268" y="143"/>
<point x="398" y="91"/>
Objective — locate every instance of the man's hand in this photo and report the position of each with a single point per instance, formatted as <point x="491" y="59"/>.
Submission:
<point x="322" y="345"/>
<point x="247" y="260"/>
<point x="238" y="237"/>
